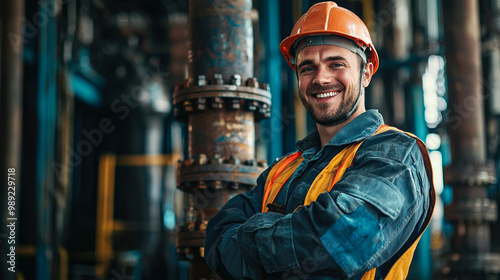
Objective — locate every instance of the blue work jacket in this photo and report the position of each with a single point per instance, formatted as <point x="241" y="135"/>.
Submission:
<point x="370" y="217"/>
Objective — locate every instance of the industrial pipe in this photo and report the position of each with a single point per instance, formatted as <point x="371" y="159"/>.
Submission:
<point x="469" y="173"/>
<point x="221" y="38"/>
<point x="494" y="89"/>
<point x="11" y="92"/>
<point x="220" y="101"/>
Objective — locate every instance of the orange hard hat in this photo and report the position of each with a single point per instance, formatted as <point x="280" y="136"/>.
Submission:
<point x="328" y="18"/>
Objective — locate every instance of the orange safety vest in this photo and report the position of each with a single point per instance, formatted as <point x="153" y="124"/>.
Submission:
<point x="330" y="175"/>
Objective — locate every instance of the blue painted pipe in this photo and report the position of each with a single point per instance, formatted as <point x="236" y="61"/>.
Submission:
<point x="221" y="38"/>
<point x="47" y="114"/>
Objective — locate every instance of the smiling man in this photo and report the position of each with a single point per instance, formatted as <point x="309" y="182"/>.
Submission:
<point x="354" y="199"/>
<point x="331" y="82"/>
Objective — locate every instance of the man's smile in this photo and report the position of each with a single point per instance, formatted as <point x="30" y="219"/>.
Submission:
<point x="323" y="95"/>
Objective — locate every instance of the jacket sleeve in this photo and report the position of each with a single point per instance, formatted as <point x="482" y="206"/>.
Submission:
<point x="222" y="249"/>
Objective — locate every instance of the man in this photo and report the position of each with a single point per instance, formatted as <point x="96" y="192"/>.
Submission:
<point x="354" y="199"/>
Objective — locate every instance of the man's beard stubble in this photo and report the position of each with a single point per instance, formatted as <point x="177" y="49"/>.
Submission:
<point x="325" y="118"/>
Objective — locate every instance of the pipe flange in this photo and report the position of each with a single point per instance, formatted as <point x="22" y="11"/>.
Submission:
<point x="189" y="242"/>
<point x="472" y="209"/>
<point x="470" y="175"/>
<point x="203" y="94"/>
<point x="475" y="263"/>
<point x="218" y="173"/>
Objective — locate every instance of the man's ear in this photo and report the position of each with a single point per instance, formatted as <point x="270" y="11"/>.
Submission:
<point x="368" y="74"/>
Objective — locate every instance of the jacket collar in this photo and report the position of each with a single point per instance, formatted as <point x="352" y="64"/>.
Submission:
<point x="357" y="130"/>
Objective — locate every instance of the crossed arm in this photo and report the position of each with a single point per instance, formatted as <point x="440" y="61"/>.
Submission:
<point x="378" y="206"/>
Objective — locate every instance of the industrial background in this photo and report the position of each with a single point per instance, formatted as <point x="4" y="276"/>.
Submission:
<point x="126" y="124"/>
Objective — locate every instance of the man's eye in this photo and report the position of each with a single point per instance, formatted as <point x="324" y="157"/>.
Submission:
<point x="306" y="69"/>
<point x="336" y="65"/>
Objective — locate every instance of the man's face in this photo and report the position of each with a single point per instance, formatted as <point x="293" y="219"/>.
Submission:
<point x="329" y="82"/>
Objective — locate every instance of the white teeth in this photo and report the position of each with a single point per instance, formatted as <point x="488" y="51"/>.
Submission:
<point x="328" y="94"/>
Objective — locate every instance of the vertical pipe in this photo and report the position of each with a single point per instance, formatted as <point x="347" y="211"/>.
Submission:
<point x="11" y="93"/>
<point x="47" y="107"/>
<point x="422" y="264"/>
<point x="494" y="90"/>
<point x="221" y="46"/>
<point x="272" y="73"/>
<point x="415" y="116"/>
<point x="494" y="78"/>
<point x="463" y="58"/>
<point x="221" y="38"/>
<point x="469" y="174"/>
<point x="220" y="101"/>
<point x="229" y="132"/>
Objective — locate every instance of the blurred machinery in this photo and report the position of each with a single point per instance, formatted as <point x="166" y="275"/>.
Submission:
<point x="133" y="201"/>
<point x="220" y="101"/>
<point x="99" y="157"/>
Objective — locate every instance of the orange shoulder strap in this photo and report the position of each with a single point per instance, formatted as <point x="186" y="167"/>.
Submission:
<point x="277" y="177"/>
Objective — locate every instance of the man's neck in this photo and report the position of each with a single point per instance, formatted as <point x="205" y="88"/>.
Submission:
<point x="326" y="133"/>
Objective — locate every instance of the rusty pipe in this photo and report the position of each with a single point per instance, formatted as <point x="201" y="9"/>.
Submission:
<point x="220" y="102"/>
<point x="11" y="92"/>
<point x="221" y="38"/>
<point x="469" y="173"/>
<point x="463" y="59"/>
<point x="11" y="82"/>
<point x="230" y="132"/>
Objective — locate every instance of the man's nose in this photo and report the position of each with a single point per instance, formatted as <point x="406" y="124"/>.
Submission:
<point x="323" y="77"/>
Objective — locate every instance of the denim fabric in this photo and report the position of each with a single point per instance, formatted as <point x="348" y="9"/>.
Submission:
<point x="370" y="217"/>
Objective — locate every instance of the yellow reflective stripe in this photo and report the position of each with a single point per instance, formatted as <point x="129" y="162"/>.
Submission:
<point x="331" y="173"/>
<point x="334" y="171"/>
<point x="401" y="267"/>
<point x="370" y="275"/>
